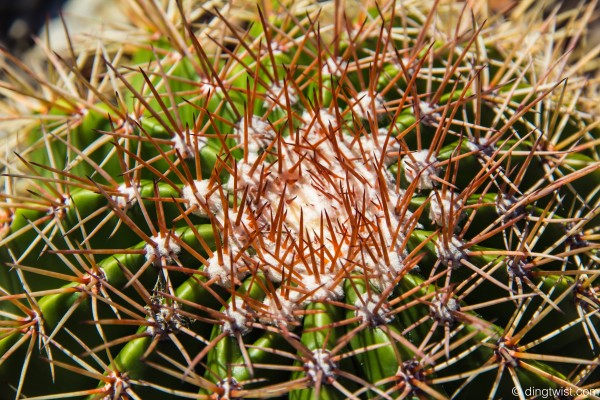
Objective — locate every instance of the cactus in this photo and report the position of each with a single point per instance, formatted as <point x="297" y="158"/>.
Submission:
<point x="395" y="201"/>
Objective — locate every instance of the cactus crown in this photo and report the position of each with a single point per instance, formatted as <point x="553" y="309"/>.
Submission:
<point x="306" y="203"/>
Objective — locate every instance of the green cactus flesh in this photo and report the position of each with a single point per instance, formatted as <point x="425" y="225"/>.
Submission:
<point x="307" y="209"/>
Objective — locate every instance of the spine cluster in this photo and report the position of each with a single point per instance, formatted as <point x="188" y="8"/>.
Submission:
<point x="373" y="206"/>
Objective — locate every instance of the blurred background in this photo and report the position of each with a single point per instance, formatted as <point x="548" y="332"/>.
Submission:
<point x="19" y="19"/>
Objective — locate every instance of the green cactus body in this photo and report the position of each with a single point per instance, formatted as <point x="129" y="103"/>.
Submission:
<point x="294" y="205"/>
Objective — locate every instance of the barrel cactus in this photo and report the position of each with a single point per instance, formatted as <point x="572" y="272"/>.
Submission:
<point x="305" y="201"/>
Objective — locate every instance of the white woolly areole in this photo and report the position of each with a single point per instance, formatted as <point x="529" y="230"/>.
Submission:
<point x="62" y="203"/>
<point x="165" y="247"/>
<point x="200" y="197"/>
<point x="277" y="95"/>
<point x="258" y="135"/>
<point x="505" y="206"/>
<point x="238" y="318"/>
<point x="126" y="197"/>
<point x="228" y="385"/>
<point x="449" y="252"/>
<point x="320" y="363"/>
<point x="517" y="267"/>
<point x="207" y="88"/>
<point x="281" y="311"/>
<point x="442" y="309"/>
<point x="426" y="108"/>
<point x="311" y="202"/>
<point x="371" y="310"/>
<point x="223" y="273"/>
<point x="472" y="146"/>
<point x="441" y="205"/>
<point x="302" y="196"/>
<point x="335" y="67"/>
<point x="244" y="177"/>
<point x="483" y="142"/>
<point x="374" y="149"/>
<point x="238" y="238"/>
<point x="327" y="289"/>
<point x="363" y="107"/>
<point x="187" y="150"/>
<point x="320" y="123"/>
<point x="369" y="146"/>
<point x="382" y="272"/>
<point x="396" y="263"/>
<point x="270" y="263"/>
<point x="391" y="150"/>
<point x="420" y="166"/>
<point x="165" y="320"/>
<point x="128" y="124"/>
<point x="115" y="384"/>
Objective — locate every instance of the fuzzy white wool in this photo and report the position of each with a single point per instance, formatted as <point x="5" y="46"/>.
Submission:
<point x="277" y="95"/>
<point x="420" y="166"/>
<point x="364" y="170"/>
<point x="392" y="148"/>
<point x="371" y="310"/>
<point x="237" y="318"/>
<point x="367" y="105"/>
<point x="244" y="177"/>
<point x="334" y="67"/>
<point x="383" y="272"/>
<point x="311" y="203"/>
<point x="450" y="252"/>
<point x="282" y="309"/>
<point x="271" y="247"/>
<point x="185" y="148"/>
<point x="306" y="186"/>
<point x="201" y="196"/>
<point x="396" y="264"/>
<point x="238" y="239"/>
<point x="442" y="309"/>
<point x="255" y="135"/>
<point x="320" y="364"/>
<point x="270" y="264"/>
<point x="398" y="214"/>
<point x="228" y="385"/>
<point x="165" y="247"/>
<point x="369" y="146"/>
<point x="325" y="288"/>
<point x="321" y="122"/>
<point x="374" y="148"/>
<point x="126" y="196"/>
<point x="442" y="206"/>
<point x="273" y="263"/>
<point x="223" y="272"/>
<point x="426" y="108"/>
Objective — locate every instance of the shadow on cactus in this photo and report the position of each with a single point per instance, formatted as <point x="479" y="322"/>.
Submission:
<point x="300" y="207"/>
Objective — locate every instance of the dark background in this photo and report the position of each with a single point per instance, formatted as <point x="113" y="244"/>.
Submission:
<point x="19" y="19"/>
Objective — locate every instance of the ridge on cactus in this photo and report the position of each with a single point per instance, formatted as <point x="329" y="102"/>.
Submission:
<point x="305" y="201"/>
